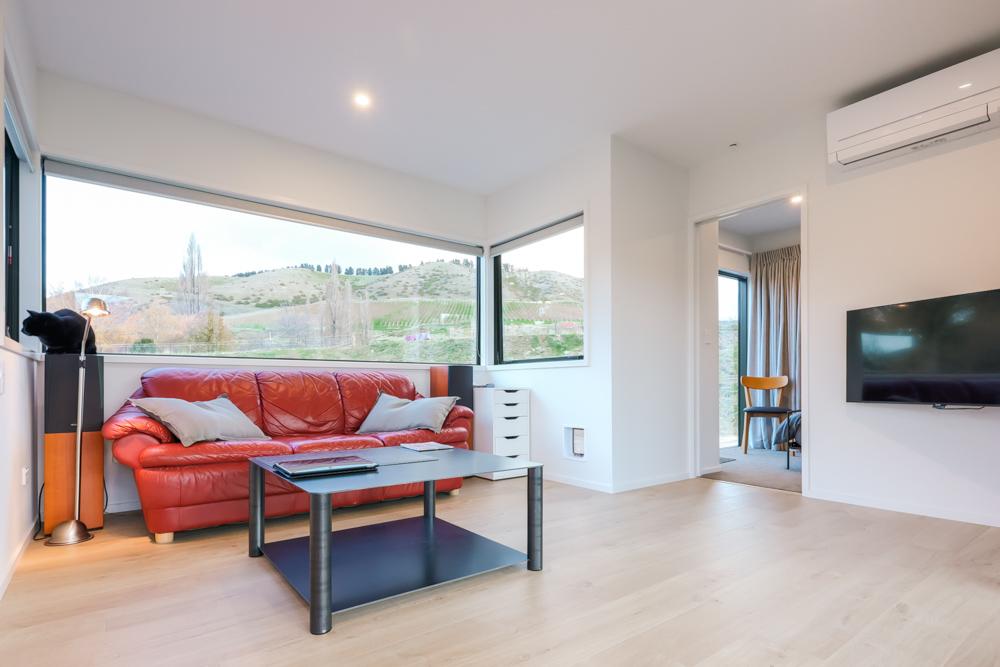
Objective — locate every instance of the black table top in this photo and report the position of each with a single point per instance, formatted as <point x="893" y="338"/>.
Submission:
<point x="448" y="463"/>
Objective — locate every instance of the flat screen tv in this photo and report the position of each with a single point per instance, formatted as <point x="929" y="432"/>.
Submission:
<point x="938" y="351"/>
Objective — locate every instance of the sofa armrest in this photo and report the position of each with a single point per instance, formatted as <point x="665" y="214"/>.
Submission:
<point x="127" y="449"/>
<point x="457" y="412"/>
<point x="130" y="420"/>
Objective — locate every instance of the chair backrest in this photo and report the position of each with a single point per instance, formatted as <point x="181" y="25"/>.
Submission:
<point x="768" y="383"/>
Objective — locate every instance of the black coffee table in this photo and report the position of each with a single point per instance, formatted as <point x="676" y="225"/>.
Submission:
<point x="340" y="570"/>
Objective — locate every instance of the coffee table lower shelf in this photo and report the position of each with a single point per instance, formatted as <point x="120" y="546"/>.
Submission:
<point x="383" y="560"/>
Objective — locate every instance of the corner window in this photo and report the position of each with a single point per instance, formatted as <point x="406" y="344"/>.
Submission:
<point x="538" y="282"/>
<point x="229" y="278"/>
<point x="12" y="309"/>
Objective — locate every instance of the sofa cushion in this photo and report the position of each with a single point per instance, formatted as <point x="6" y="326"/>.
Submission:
<point x="447" y="436"/>
<point x="204" y="384"/>
<point x="332" y="443"/>
<point x="300" y="402"/>
<point x="360" y="390"/>
<point x="199" y="421"/>
<point x="399" y="414"/>
<point x="233" y="451"/>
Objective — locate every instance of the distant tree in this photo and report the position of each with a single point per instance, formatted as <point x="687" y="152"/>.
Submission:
<point x="192" y="288"/>
<point x="337" y="310"/>
<point x="160" y="324"/>
<point x="144" y="346"/>
<point x="209" y="327"/>
<point x="338" y="271"/>
<point x="290" y="323"/>
<point x="363" y="329"/>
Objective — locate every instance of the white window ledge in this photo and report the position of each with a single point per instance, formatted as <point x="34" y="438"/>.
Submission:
<point x="18" y="348"/>
<point x="533" y="365"/>
<point x="240" y="362"/>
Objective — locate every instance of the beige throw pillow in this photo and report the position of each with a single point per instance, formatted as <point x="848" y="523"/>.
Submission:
<point x="399" y="414"/>
<point x="198" y="421"/>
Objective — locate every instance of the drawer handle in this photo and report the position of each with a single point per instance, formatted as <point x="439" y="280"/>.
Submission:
<point x="510" y="405"/>
<point x="509" y="418"/>
<point x="511" y="391"/>
<point x="511" y="437"/>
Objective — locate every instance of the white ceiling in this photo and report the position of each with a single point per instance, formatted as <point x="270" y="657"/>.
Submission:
<point x="771" y="217"/>
<point x="479" y="94"/>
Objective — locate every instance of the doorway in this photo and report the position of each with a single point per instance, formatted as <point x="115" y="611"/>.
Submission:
<point x="750" y="327"/>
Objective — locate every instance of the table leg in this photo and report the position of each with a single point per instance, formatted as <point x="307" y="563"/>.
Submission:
<point x="429" y="499"/>
<point x="256" y="510"/>
<point x="320" y="575"/>
<point x="535" y="518"/>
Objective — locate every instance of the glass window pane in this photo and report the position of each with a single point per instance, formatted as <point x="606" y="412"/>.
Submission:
<point x="190" y="279"/>
<point x="542" y="299"/>
<point x="729" y="358"/>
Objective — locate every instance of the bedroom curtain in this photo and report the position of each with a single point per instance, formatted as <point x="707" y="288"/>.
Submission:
<point x="774" y="331"/>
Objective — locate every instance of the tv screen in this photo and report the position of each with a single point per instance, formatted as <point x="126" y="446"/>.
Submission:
<point x="937" y="351"/>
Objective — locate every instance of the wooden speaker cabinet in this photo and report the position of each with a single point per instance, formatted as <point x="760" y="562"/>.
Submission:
<point x="454" y="381"/>
<point x="61" y="378"/>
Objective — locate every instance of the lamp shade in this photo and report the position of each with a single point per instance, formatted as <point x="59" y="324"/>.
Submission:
<point x="95" y="308"/>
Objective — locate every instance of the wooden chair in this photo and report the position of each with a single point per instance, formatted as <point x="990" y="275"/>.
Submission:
<point x="751" y="410"/>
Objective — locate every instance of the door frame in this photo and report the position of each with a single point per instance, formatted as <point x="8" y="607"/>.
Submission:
<point x="694" y="432"/>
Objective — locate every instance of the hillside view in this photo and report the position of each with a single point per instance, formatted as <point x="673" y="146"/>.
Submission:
<point x="421" y="313"/>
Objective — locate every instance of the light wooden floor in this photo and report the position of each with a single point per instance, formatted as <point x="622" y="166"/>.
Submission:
<point x="693" y="573"/>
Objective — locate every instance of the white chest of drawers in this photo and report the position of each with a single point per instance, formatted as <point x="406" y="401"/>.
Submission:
<point x="502" y="427"/>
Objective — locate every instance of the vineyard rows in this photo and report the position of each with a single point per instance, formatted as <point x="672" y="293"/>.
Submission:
<point x="560" y="311"/>
<point x="399" y="315"/>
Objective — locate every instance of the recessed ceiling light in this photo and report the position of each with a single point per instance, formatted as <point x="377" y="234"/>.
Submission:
<point x="796" y="199"/>
<point x="362" y="100"/>
<point x="965" y="85"/>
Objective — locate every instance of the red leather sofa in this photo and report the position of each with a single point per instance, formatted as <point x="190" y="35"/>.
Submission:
<point x="207" y="484"/>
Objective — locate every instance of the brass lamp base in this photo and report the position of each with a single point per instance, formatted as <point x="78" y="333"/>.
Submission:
<point x="73" y="531"/>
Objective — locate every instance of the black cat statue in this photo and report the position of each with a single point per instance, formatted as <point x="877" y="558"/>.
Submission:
<point x="61" y="332"/>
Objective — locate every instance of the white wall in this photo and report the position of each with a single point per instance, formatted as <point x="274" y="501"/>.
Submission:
<point x="774" y="240"/>
<point x="578" y="396"/>
<point x="734" y="261"/>
<point x="650" y="259"/>
<point x="921" y="226"/>
<point x="638" y="249"/>
<point x="18" y="450"/>
<point x="101" y="127"/>
<point x="19" y="442"/>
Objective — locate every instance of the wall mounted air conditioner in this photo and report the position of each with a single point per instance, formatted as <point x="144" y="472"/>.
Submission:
<point x="958" y="101"/>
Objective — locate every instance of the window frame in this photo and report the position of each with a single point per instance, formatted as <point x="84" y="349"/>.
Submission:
<point x="495" y="289"/>
<point x="155" y="188"/>
<point x="12" y="240"/>
<point x="742" y="341"/>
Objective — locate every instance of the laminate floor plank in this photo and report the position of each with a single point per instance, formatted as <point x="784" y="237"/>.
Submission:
<point x="699" y="572"/>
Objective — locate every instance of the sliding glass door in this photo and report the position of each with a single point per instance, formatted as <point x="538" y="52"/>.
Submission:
<point x="732" y="356"/>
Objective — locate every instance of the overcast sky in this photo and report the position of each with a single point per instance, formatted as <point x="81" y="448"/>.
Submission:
<point x="94" y="231"/>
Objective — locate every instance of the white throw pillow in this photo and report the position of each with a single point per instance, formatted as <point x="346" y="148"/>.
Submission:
<point x="399" y="414"/>
<point x="198" y="421"/>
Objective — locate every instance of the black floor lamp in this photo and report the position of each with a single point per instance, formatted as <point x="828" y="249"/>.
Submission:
<point x="75" y="531"/>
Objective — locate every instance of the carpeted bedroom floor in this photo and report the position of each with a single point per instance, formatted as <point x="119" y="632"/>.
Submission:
<point x="759" y="467"/>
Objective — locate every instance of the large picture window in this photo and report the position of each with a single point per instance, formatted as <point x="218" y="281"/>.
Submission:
<point x="185" y="278"/>
<point x="539" y="295"/>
